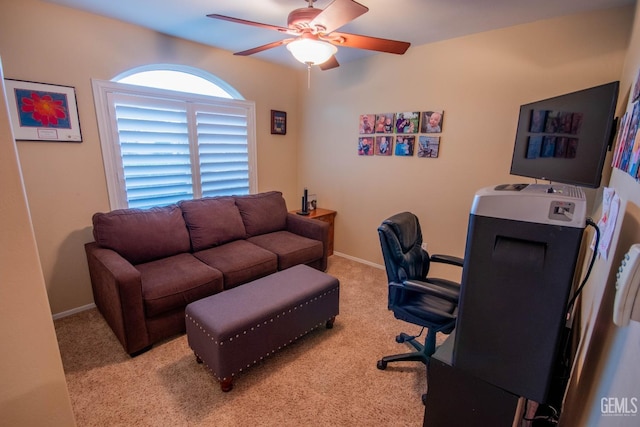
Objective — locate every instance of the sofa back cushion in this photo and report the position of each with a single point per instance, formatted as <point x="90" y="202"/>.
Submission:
<point x="142" y="235"/>
<point x="263" y="213"/>
<point x="212" y="221"/>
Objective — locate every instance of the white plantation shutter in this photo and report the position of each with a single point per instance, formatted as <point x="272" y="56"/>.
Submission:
<point x="224" y="155"/>
<point x="160" y="147"/>
<point x="154" y="147"/>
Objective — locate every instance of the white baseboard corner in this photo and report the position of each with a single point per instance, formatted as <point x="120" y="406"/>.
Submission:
<point x="360" y="260"/>
<point x="73" y="311"/>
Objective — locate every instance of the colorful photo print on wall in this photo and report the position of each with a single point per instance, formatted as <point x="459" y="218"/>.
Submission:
<point x="428" y="146"/>
<point x="407" y="122"/>
<point x="432" y="121"/>
<point x="365" y="146"/>
<point x="367" y="123"/>
<point x="636" y="88"/>
<point x="384" y="122"/>
<point x="404" y="145"/>
<point x="384" y="145"/>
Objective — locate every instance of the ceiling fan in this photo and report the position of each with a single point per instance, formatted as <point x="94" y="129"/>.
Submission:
<point x="315" y="38"/>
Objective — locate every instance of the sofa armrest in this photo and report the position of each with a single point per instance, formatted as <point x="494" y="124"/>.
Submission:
<point x="312" y="229"/>
<point x="117" y="292"/>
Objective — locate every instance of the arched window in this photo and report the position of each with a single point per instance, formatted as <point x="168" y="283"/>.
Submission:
<point x="170" y="133"/>
<point x="180" y="78"/>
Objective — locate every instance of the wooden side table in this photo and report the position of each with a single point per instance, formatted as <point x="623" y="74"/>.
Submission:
<point x="327" y="216"/>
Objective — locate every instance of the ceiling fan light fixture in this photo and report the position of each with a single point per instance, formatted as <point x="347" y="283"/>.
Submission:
<point x="310" y="51"/>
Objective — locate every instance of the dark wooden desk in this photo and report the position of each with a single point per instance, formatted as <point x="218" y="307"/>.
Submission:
<point x="455" y="398"/>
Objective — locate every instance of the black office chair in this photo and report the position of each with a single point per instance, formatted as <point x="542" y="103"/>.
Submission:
<point x="428" y="302"/>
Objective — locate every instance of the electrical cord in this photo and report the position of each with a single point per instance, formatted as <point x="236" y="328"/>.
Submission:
<point x="563" y="352"/>
<point x="593" y="260"/>
<point x="551" y="418"/>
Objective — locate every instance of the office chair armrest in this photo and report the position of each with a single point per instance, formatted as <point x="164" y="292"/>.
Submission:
<point x="447" y="259"/>
<point x="445" y="283"/>
<point x="431" y="289"/>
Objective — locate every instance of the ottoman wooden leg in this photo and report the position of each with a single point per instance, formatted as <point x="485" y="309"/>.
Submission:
<point x="226" y="384"/>
<point x="330" y="322"/>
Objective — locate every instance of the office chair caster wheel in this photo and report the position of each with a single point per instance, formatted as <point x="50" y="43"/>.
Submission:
<point x="400" y="339"/>
<point x="382" y="365"/>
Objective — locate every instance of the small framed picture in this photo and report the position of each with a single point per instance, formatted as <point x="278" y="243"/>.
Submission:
<point x="384" y="145"/>
<point x="366" y="125"/>
<point x="43" y="112"/>
<point x="428" y="146"/>
<point x="384" y="122"/>
<point x="432" y="121"/>
<point x="312" y="202"/>
<point x="404" y="145"/>
<point x="278" y="122"/>
<point x="407" y="122"/>
<point x="365" y="146"/>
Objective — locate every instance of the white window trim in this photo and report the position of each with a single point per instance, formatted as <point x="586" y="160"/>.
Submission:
<point x="183" y="69"/>
<point x="114" y="173"/>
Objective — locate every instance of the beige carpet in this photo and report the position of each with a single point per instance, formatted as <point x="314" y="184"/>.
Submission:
<point x="328" y="378"/>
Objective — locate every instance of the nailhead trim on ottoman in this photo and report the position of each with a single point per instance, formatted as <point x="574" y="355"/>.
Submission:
<point x="232" y="330"/>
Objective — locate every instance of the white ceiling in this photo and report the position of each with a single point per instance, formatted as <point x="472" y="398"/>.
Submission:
<point x="415" y="21"/>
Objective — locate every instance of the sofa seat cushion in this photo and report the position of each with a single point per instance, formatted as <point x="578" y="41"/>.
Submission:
<point x="176" y="281"/>
<point x="142" y="235"/>
<point x="290" y="248"/>
<point x="263" y="213"/>
<point x="212" y="221"/>
<point x="239" y="262"/>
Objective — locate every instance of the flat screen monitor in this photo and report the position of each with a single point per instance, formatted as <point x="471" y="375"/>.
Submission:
<point x="565" y="139"/>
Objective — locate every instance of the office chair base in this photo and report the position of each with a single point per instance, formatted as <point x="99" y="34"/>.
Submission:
<point x="423" y="353"/>
<point x="416" y="356"/>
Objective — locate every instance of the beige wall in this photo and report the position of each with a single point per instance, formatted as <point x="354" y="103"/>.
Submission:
<point x="65" y="182"/>
<point x="34" y="390"/>
<point x="480" y="81"/>
<point x="607" y="363"/>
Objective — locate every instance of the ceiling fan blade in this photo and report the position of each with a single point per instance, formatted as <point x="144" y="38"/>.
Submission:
<point x="254" y="24"/>
<point x="369" y="43"/>
<point x="329" y="64"/>
<point x="263" y="47"/>
<point x="337" y="14"/>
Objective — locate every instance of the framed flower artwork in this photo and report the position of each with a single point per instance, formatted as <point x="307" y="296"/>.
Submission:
<point x="43" y="112"/>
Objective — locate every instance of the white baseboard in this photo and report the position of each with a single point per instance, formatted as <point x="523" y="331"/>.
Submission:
<point x="360" y="260"/>
<point x="73" y="311"/>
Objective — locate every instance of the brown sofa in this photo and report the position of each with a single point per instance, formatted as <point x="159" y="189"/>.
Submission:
<point x="147" y="265"/>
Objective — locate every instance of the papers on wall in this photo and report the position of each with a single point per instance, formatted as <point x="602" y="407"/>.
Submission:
<point x="607" y="223"/>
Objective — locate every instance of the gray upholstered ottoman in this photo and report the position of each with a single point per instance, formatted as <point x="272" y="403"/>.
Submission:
<point x="234" y="329"/>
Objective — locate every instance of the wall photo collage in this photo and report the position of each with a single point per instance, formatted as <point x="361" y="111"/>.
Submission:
<point x="626" y="156"/>
<point x="400" y="134"/>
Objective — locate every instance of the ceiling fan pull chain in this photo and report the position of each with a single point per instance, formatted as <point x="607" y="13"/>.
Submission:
<point x="308" y="75"/>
